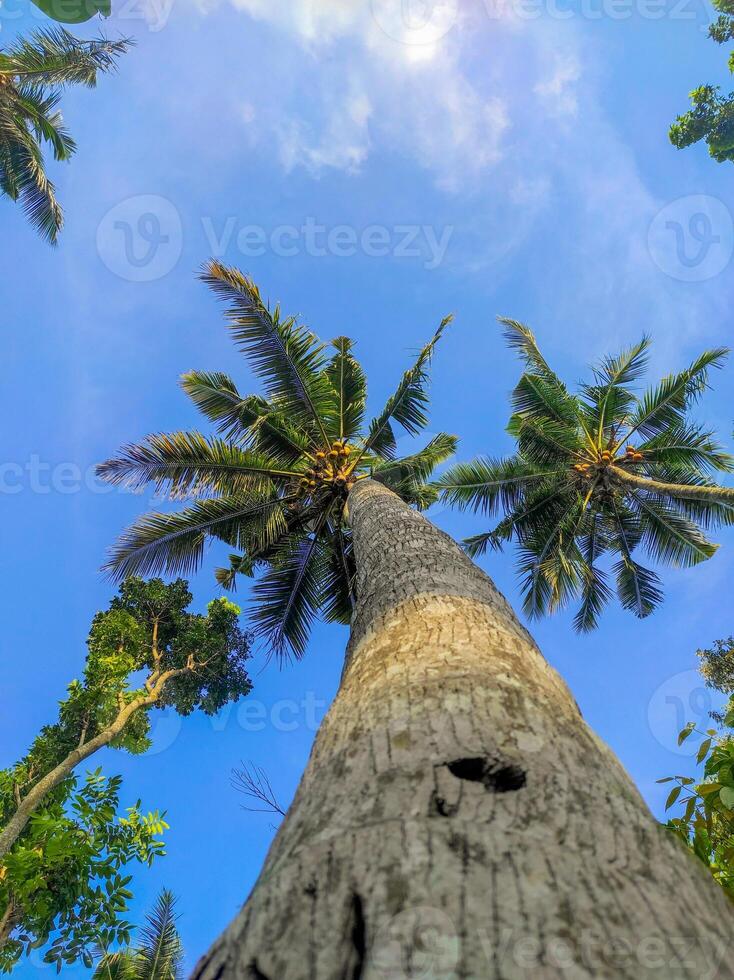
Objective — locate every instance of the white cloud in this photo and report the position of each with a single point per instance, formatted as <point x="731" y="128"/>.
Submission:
<point x="557" y="91"/>
<point x="387" y="74"/>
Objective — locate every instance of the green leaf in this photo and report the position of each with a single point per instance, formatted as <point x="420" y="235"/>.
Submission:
<point x="703" y="750"/>
<point x="673" y="796"/>
<point x="685" y="732"/>
<point x="726" y="796"/>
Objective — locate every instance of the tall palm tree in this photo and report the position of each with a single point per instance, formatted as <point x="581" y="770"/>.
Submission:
<point x="275" y="483"/>
<point x="605" y="471"/>
<point x="34" y="70"/>
<point x="159" y="954"/>
<point x="455" y="806"/>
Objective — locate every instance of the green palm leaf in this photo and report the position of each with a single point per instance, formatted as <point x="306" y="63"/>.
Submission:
<point x="286" y="357"/>
<point x="345" y="414"/>
<point x="407" y="406"/>
<point x="189" y="463"/>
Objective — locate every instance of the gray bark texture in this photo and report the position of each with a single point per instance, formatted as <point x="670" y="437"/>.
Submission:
<point x="457" y="817"/>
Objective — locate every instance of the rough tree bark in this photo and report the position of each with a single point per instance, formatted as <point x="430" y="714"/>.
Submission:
<point x="457" y="817"/>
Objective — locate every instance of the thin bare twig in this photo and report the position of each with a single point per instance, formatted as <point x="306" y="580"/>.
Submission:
<point x="252" y="781"/>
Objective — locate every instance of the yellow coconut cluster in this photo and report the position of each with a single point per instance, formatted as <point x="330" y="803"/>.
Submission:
<point x="330" y="466"/>
<point x="606" y="458"/>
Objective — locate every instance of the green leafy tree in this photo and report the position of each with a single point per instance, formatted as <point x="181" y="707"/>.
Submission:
<point x="159" y="953"/>
<point x="706" y="823"/>
<point x="74" y="11"/>
<point x="601" y="472"/>
<point x="34" y="71"/>
<point x="64" y="880"/>
<point x="189" y="661"/>
<point x="274" y="484"/>
<point x="711" y="117"/>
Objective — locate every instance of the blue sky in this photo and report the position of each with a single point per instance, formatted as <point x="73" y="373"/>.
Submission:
<point x="372" y="173"/>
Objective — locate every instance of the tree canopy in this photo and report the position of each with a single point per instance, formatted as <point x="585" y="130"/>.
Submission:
<point x="711" y="116"/>
<point x="188" y="661"/>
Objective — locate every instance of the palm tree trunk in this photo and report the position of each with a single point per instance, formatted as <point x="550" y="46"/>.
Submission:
<point x="684" y="491"/>
<point x="457" y="817"/>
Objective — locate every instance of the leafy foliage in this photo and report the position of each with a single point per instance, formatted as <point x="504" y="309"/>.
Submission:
<point x="706" y="823"/>
<point x="604" y="471"/>
<point x="33" y="73"/>
<point x="159" y="953"/>
<point x="274" y="483"/>
<point x="146" y="628"/>
<point x="711" y="116"/>
<point x="717" y="667"/>
<point x="64" y="881"/>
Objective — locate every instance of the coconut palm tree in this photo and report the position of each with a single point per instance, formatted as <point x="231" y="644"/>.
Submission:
<point x="34" y="70"/>
<point x="455" y="807"/>
<point x="158" y="956"/>
<point x="275" y="483"/>
<point x="601" y="472"/>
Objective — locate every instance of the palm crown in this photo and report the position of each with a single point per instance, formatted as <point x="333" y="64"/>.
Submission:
<point x="33" y="72"/>
<point x="601" y="472"/>
<point x="274" y="484"/>
<point x="158" y="956"/>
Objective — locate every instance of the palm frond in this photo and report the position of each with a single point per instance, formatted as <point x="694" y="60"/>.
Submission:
<point x="286" y="599"/>
<point x="595" y="592"/>
<point x="174" y="543"/>
<point x="407" y="406"/>
<point x="251" y="420"/>
<point x="53" y="56"/>
<point x="419" y="466"/>
<point x="669" y="536"/>
<point x="159" y="954"/>
<point x="345" y="413"/>
<point x="487" y="485"/>
<point x="287" y="358"/>
<point x="663" y="407"/>
<point x="189" y="463"/>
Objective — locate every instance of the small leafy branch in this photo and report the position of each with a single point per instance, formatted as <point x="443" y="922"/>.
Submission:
<point x="707" y="821"/>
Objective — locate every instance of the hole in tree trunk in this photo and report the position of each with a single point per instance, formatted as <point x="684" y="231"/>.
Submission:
<point x="495" y="779"/>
